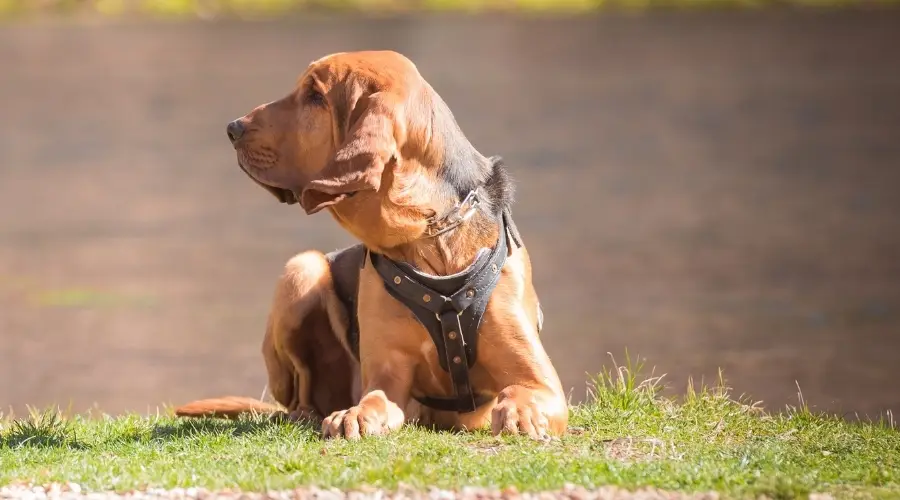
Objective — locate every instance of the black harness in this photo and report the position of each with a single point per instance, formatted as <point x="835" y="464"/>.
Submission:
<point x="449" y="307"/>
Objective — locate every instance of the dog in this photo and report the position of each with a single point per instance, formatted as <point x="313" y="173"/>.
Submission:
<point x="432" y="318"/>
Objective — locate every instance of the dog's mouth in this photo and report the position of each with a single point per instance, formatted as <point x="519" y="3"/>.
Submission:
<point x="283" y="195"/>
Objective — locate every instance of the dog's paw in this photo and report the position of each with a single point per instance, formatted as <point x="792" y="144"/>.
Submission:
<point x="354" y="423"/>
<point x="519" y="416"/>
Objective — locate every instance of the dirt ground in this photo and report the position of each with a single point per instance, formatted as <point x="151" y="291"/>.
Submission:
<point x="704" y="190"/>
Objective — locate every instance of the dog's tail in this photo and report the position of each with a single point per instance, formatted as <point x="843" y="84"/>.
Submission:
<point x="230" y="407"/>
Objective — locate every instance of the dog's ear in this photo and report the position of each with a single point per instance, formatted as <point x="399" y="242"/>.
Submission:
<point x="370" y="144"/>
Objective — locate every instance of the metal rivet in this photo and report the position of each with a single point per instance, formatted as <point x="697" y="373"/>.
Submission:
<point x="427" y="298"/>
<point x="452" y="335"/>
<point x="397" y="279"/>
<point x="470" y="293"/>
<point x="494" y="267"/>
<point x="457" y="359"/>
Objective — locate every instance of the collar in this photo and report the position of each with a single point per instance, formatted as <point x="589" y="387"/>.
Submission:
<point x="460" y="213"/>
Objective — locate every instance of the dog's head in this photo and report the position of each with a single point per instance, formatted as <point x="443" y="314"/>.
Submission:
<point x="364" y="135"/>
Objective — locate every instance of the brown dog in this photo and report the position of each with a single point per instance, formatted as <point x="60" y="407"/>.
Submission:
<point x="433" y="317"/>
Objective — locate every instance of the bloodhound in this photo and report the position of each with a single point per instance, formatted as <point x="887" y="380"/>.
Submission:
<point x="432" y="318"/>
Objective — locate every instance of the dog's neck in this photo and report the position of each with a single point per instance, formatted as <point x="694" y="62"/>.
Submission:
<point x="452" y="251"/>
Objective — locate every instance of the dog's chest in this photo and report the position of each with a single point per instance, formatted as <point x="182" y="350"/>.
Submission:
<point x="450" y="308"/>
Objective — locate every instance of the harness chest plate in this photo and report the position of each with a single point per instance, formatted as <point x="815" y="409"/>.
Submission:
<point x="450" y="308"/>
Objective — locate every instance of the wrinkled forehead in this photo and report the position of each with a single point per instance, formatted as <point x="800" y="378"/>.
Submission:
<point x="377" y="70"/>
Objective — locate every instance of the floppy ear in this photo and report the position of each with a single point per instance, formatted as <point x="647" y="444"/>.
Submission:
<point x="360" y="161"/>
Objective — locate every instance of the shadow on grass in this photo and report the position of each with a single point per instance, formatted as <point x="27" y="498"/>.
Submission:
<point x="190" y="428"/>
<point x="48" y="429"/>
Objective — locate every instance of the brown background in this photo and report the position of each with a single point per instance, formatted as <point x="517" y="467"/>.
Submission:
<point x="706" y="190"/>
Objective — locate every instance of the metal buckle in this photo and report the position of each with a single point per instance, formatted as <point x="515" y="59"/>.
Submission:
<point x="454" y="218"/>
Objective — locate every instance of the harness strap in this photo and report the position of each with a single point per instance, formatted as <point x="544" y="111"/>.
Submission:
<point x="451" y="309"/>
<point x="452" y="314"/>
<point x="510" y="226"/>
<point x="345" y="265"/>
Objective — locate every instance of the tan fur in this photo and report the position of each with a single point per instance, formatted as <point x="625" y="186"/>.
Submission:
<point x="225" y="407"/>
<point x="370" y="155"/>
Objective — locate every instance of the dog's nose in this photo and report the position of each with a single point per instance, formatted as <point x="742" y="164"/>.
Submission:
<point x="234" y="130"/>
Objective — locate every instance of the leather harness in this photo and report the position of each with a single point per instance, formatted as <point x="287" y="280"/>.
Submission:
<point x="449" y="307"/>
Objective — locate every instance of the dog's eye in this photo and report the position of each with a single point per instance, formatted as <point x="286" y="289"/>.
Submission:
<point x="313" y="96"/>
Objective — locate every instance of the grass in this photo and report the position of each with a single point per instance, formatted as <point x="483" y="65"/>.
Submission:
<point x="627" y="434"/>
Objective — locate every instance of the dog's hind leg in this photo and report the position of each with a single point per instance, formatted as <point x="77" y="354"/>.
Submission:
<point x="310" y="372"/>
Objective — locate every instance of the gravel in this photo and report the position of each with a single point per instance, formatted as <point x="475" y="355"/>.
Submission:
<point x="73" y="491"/>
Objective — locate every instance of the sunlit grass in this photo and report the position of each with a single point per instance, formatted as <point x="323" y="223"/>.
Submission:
<point x="626" y="434"/>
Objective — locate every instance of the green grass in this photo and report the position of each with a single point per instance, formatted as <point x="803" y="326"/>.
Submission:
<point x="627" y="434"/>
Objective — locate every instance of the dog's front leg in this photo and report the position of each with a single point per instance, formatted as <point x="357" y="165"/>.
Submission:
<point x="380" y="410"/>
<point x="536" y="412"/>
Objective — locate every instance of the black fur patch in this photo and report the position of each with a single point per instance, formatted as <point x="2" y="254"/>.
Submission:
<point x="488" y="173"/>
<point x="465" y="169"/>
<point x="499" y="187"/>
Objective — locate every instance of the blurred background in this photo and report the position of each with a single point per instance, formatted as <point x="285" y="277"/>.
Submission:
<point x="704" y="184"/>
